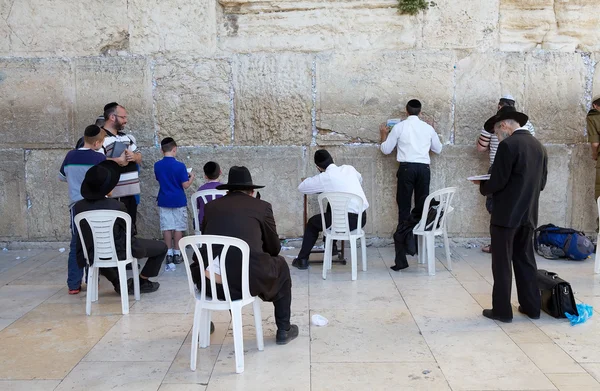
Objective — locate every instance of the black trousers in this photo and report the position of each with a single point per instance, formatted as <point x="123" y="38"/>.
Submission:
<point x="516" y="245"/>
<point x="412" y="177"/>
<point x="282" y="304"/>
<point x="154" y="250"/>
<point x="131" y="205"/>
<point x="315" y="225"/>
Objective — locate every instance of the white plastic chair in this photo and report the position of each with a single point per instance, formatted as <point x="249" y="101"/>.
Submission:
<point x="428" y="232"/>
<point x="204" y="305"/>
<point x="203" y="194"/>
<point x="597" y="264"/>
<point x="340" y="228"/>
<point x="101" y="223"/>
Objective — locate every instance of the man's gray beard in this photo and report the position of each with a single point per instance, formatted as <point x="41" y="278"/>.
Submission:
<point x="502" y="135"/>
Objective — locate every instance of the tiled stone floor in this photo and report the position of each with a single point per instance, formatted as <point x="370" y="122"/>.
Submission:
<point x="387" y="331"/>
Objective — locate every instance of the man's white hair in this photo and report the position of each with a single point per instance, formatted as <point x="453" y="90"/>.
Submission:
<point x="511" y="123"/>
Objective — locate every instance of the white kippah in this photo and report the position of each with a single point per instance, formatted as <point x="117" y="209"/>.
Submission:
<point x="508" y="97"/>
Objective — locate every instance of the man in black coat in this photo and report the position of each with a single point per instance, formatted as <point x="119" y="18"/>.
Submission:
<point x="238" y="214"/>
<point x="518" y="176"/>
<point x="98" y="183"/>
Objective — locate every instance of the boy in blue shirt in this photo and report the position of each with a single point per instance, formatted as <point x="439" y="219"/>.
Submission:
<point x="173" y="178"/>
<point x="73" y="170"/>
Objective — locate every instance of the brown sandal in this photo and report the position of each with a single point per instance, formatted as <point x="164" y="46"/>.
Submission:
<point x="487" y="249"/>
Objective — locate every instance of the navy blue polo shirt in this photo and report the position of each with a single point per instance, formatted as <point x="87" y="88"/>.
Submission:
<point x="170" y="175"/>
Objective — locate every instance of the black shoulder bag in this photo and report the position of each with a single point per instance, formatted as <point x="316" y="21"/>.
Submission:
<point x="557" y="295"/>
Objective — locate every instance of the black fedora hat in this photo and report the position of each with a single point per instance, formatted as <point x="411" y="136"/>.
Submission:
<point x="100" y="180"/>
<point x="506" y="112"/>
<point x="239" y="178"/>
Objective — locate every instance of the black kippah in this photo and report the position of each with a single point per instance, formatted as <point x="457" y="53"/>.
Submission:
<point x="91" y="131"/>
<point x="166" y="140"/>
<point x="414" y="103"/>
<point x="110" y="106"/>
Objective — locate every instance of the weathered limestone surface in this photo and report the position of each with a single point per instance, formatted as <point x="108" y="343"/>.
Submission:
<point x="13" y="225"/>
<point x="554" y="96"/>
<point x="192" y="100"/>
<point x="554" y="200"/>
<point x="48" y="211"/>
<point x="273" y="99"/>
<point x="445" y="24"/>
<point x="547" y="86"/>
<point x="357" y="92"/>
<point x="128" y="81"/>
<point x="311" y="26"/>
<point x="62" y="28"/>
<point x="549" y="24"/>
<point x="583" y="211"/>
<point x="277" y="168"/>
<point x="36" y="103"/>
<point x="596" y="77"/>
<point x="172" y="26"/>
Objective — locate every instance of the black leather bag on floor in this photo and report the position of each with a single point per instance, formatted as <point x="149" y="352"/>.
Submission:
<point x="557" y="295"/>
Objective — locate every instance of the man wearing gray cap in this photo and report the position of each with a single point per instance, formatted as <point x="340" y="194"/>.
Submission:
<point x="488" y="142"/>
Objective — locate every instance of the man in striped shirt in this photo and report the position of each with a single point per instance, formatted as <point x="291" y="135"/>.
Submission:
<point x="128" y="188"/>
<point x="488" y="142"/>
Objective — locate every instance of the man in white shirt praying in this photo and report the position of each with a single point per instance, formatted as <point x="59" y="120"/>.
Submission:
<point x="332" y="178"/>
<point x="413" y="139"/>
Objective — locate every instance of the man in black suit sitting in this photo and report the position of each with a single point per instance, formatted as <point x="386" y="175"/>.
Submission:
<point x="518" y="176"/>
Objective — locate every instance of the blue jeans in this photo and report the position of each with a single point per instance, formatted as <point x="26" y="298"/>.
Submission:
<point x="74" y="273"/>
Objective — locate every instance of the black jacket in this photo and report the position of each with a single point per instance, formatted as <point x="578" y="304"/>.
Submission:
<point x="244" y="217"/>
<point x="518" y="176"/>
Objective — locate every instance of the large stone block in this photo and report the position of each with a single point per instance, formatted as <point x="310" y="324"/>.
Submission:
<point x="273" y="99"/>
<point x="549" y="24"/>
<point x="357" y="92"/>
<point x="555" y="200"/>
<point x="314" y="26"/>
<point x="193" y="100"/>
<point x="47" y="197"/>
<point x="583" y="210"/>
<point x="36" y="103"/>
<point x="277" y="168"/>
<point x="127" y="81"/>
<point x="12" y="195"/>
<point x="459" y="24"/>
<point x="48" y="27"/>
<point x="596" y="79"/>
<point x="172" y="26"/>
<point x="546" y="85"/>
<point x="554" y="96"/>
<point x="481" y="79"/>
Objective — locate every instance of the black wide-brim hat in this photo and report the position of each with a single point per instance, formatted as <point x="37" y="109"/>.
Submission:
<point x="239" y="178"/>
<point x="506" y="112"/>
<point x="100" y="180"/>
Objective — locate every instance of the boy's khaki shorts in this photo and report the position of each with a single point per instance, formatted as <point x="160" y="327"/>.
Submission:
<point x="173" y="219"/>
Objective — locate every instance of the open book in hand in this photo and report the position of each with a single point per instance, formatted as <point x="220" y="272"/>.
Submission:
<point x="483" y="177"/>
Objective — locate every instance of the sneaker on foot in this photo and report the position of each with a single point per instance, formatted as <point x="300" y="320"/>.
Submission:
<point x="285" y="336"/>
<point x="146" y="286"/>
<point x="169" y="259"/>
<point x="177" y="259"/>
<point x="74" y="291"/>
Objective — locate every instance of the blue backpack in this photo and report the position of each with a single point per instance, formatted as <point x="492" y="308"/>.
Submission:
<point x="554" y="242"/>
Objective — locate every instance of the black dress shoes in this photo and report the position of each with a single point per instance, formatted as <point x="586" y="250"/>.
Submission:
<point x="301" y="264"/>
<point x="285" y="336"/>
<point x="525" y="313"/>
<point x="490" y="314"/>
<point x="397" y="268"/>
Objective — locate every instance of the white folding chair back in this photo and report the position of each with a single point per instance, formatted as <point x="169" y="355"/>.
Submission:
<point x="340" y="228"/>
<point x="597" y="263"/>
<point x="204" y="305"/>
<point x="204" y="194"/>
<point x="428" y="232"/>
<point x="101" y="223"/>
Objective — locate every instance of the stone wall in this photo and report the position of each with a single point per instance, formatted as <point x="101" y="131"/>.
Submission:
<point x="266" y="83"/>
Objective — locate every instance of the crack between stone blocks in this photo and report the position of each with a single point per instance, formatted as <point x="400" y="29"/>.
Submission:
<point x="154" y="100"/>
<point x="231" y="101"/>
<point x="313" y="111"/>
<point x="589" y="83"/>
<point x="8" y="24"/>
<point x="453" y="107"/>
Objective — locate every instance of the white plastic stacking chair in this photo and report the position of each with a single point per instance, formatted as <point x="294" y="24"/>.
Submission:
<point x="597" y="264"/>
<point x="428" y="232"/>
<point x="101" y="223"/>
<point x="203" y="194"/>
<point x="340" y="228"/>
<point x="204" y="305"/>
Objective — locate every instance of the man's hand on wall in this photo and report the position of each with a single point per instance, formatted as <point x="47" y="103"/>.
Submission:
<point x="383" y="131"/>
